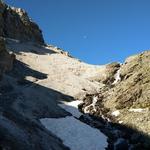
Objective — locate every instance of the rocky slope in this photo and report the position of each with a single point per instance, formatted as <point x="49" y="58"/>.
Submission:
<point x="38" y="78"/>
<point x="126" y="100"/>
<point x="6" y="59"/>
<point x="15" y="23"/>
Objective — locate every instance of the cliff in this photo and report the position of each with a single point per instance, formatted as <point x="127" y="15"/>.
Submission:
<point x="15" y="23"/>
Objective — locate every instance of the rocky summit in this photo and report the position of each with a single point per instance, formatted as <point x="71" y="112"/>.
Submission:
<point x="15" y="23"/>
<point x="50" y="100"/>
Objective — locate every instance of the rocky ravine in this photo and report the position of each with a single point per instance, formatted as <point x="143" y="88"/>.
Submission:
<point x="39" y="81"/>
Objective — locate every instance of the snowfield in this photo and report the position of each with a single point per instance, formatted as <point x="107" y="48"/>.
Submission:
<point x="75" y="134"/>
<point x="72" y="107"/>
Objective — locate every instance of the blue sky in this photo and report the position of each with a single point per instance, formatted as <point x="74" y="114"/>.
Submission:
<point x="95" y="31"/>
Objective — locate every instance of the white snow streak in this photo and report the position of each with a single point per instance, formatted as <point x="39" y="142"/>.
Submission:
<point x="117" y="77"/>
<point x="116" y="113"/>
<point x="95" y="98"/>
<point x="72" y="107"/>
<point x="75" y="134"/>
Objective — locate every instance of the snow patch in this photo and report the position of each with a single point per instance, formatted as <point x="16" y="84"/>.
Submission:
<point x="72" y="107"/>
<point x="117" y="77"/>
<point x="120" y="121"/>
<point x="94" y="101"/>
<point x="116" y="113"/>
<point x="75" y="134"/>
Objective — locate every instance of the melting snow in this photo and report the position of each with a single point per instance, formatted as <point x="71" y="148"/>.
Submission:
<point x="75" y="134"/>
<point x="117" y="77"/>
<point x="120" y="121"/>
<point x="95" y="98"/>
<point x="116" y="113"/>
<point x="72" y="107"/>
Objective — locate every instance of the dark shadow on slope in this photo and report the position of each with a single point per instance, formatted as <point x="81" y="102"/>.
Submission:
<point x="120" y="137"/>
<point x="42" y="99"/>
<point x="21" y="108"/>
<point x="19" y="132"/>
<point x="31" y="47"/>
<point x="22" y="70"/>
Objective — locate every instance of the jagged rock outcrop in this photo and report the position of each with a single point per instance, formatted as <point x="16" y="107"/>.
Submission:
<point x="109" y="75"/>
<point x="135" y="74"/>
<point x="15" y="23"/>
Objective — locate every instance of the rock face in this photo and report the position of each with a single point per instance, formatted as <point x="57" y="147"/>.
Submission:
<point x="133" y="90"/>
<point x="127" y="102"/>
<point x="6" y="59"/>
<point x="15" y="23"/>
